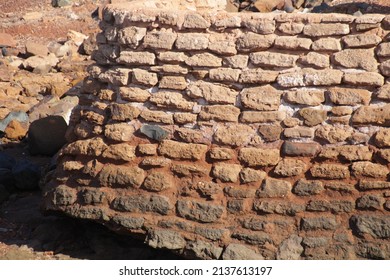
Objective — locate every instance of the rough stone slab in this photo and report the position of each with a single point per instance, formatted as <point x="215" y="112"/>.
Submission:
<point x="323" y="223"/>
<point x="265" y="98"/>
<point x="361" y="40"/>
<point x="159" y="40"/>
<point x="290" y="167"/>
<point x="171" y="99"/>
<point x="273" y="59"/>
<point x="234" y="135"/>
<point x="300" y="149"/>
<point x="262" y="117"/>
<point x="224" y="74"/>
<point x="330" y="171"/>
<point x="305" y="97"/>
<point x="356" y="59"/>
<point x="223" y="44"/>
<point x="321" y="29"/>
<point x="192" y="41"/>
<point x="177" y="150"/>
<point x="327" y="44"/>
<point x="134" y="94"/>
<point x="349" y="96"/>
<point x="123" y="176"/>
<point x="272" y="188"/>
<point x="376" y="226"/>
<point x="365" y="115"/>
<point x="204" y="60"/>
<point x="226" y="172"/>
<point x="315" y="60"/>
<point x="310" y="77"/>
<point x="136" y="58"/>
<point x="197" y="211"/>
<point x="258" y="76"/>
<point x="212" y="93"/>
<point x="224" y="113"/>
<point x="292" y="43"/>
<point x="259" y="157"/>
<point x="165" y="239"/>
<point x="250" y="42"/>
<point x="363" y="79"/>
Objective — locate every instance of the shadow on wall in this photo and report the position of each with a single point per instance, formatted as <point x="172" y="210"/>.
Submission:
<point x="352" y="8"/>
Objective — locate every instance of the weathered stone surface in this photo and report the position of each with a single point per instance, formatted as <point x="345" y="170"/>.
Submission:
<point x="123" y="176"/>
<point x="376" y="115"/>
<point x="250" y="42"/>
<point x="274" y="188"/>
<point x="171" y="99"/>
<point x="382" y="138"/>
<point x="195" y="21"/>
<point x="224" y="74"/>
<point x="204" y="60"/>
<point x="236" y="61"/>
<point x="157" y="181"/>
<point x="123" y="112"/>
<point x="224" y="113"/>
<point x="383" y="50"/>
<point x="273" y="59"/>
<point x="312" y="116"/>
<point x="364" y="79"/>
<point x="321" y="29"/>
<point x="177" y="150"/>
<point x="131" y="36"/>
<point x="121" y="151"/>
<point x="159" y="40"/>
<point x="384" y="92"/>
<point x="259" y="238"/>
<point x="249" y="175"/>
<point x="90" y="147"/>
<point x="347" y="152"/>
<point x="184" y="118"/>
<point x="240" y="192"/>
<point x="211" y="233"/>
<point x="165" y="239"/>
<point x="373" y="185"/>
<point x="315" y="60"/>
<point x="305" y="97"/>
<point x="224" y="44"/>
<point x="357" y="59"/>
<point x="212" y="93"/>
<point x="258" y="76"/>
<point x="335" y="206"/>
<point x="385" y="154"/>
<point x="173" y="82"/>
<point x="234" y="135"/>
<point x="290" y="167"/>
<point x="144" y="78"/>
<point x="129" y="222"/>
<point x="349" y="96"/>
<point x="330" y="171"/>
<point x="192" y="41"/>
<point x="369" y="169"/>
<point x="172" y="57"/>
<point x="361" y="40"/>
<point x="185" y="170"/>
<point x="270" y="133"/>
<point x="197" y="211"/>
<point x="192" y="136"/>
<point x="278" y="207"/>
<point x="290" y="248"/>
<point x="155" y="162"/>
<point x="262" y="117"/>
<point x="221" y="153"/>
<point x="259" y="157"/>
<point x="333" y="134"/>
<point x="265" y="98"/>
<point x="292" y="43"/>
<point x="310" y="77"/>
<point x="298" y="132"/>
<point x="134" y="94"/>
<point x="64" y="196"/>
<point x="240" y="252"/>
<point x="306" y="188"/>
<point x="142" y="203"/>
<point x="385" y="68"/>
<point x="259" y="25"/>
<point x="369" y="202"/>
<point x="226" y="172"/>
<point x="300" y="149"/>
<point x="121" y="132"/>
<point x="203" y="250"/>
<point x="327" y="44"/>
<point x="323" y="223"/>
<point x="376" y="226"/>
<point x="136" y="58"/>
<point x="291" y="28"/>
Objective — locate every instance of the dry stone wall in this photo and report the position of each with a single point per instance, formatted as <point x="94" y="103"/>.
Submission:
<point x="235" y="136"/>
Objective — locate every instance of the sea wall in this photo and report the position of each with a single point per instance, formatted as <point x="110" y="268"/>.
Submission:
<point x="234" y="136"/>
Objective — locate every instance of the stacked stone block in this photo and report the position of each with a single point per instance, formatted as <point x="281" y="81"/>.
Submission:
<point x="225" y="136"/>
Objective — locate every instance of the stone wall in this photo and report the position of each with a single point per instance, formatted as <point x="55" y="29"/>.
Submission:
<point x="235" y="136"/>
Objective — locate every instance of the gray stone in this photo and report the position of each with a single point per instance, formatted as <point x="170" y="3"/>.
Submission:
<point x="306" y="188"/>
<point x="259" y="238"/>
<point x="321" y="223"/>
<point x="290" y="248"/>
<point x="129" y="222"/>
<point x="61" y="3"/>
<point x="240" y="252"/>
<point x="274" y="188"/>
<point x="204" y="250"/>
<point x="64" y="196"/>
<point x="154" y="132"/>
<point x="18" y="116"/>
<point x="165" y="239"/>
<point x="211" y="233"/>
<point x="369" y="202"/>
<point x="278" y="207"/>
<point x="202" y="212"/>
<point x="142" y="203"/>
<point x="300" y="149"/>
<point x="376" y="226"/>
<point x="94" y="197"/>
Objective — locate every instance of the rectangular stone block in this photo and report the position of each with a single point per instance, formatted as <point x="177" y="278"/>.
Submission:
<point x="322" y="29"/>
<point x="136" y="58"/>
<point x="323" y="223"/>
<point x="259" y="157"/>
<point x="159" y="40"/>
<point x="250" y="42"/>
<point x="224" y="44"/>
<point x="273" y="59"/>
<point x="204" y="60"/>
<point x="258" y="76"/>
<point x="173" y="82"/>
<point x="292" y="43"/>
<point x="134" y="94"/>
<point x="222" y="113"/>
<point x="262" y="117"/>
<point x="294" y="149"/>
<point x="330" y="171"/>
<point x="197" y="211"/>
<point x="363" y="79"/>
<point x="265" y="98"/>
<point x="171" y="99"/>
<point x="224" y="74"/>
<point x="192" y="41"/>
<point x="156" y="116"/>
<point x="177" y="150"/>
<point x="213" y="93"/>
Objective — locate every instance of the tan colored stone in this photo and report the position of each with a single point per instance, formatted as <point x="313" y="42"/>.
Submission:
<point x="298" y="132"/>
<point x="131" y="36"/>
<point x="290" y="167"/>
<point x="361" y="40"/>
<point x="364" y="79"/>
<point x="273" y="59"/>
<point x="195" y="21"/>
<point x="134" y="94"/>
<point x="385" y="68"/>
<point x="292" y="43"/>
<point x="315" y="60"/>
<point x="172" y="57"/>
<point x="186" y="170"/>
<point x="307" y="149"/>
<point x="147" y="149"/>
<point x="204" y="60"/>
<point x="145" y="78"/>
<point x="169" y="69"/>
<point x="356" y="59"/>
<point x="156" y="116"/>
<point x="327" y="44"/>
<point x="224" y="74"/>
<point x="369" y="169"/>
<point x="259" y="157"/>
<point x="90" y="147"/>
<point x="330" y="171"/>
<point x="184" y="118"/>
<point x="236" y="61"/>
<point x="262" y="117"/>
<point x="329" y="29"/>
<point x="378" y="115"/>
<point x="159" y="40"/>
<point x="347" y="152"/>
<point x="171" y="99"/>
<point x="259" y="25"/>
<point x="123" y="176"/>
<point x="312" y="117"/>
<point x="270" y="133"/>
<point x="349" y="96"/>
<point x="212" y="93"/>
<point x="222" y="113"/>
<point x="384" y="92"/>
<point x="383" y="50"/>
<point x="224" y="44"/>
<point x="291" y="28"/>
<point x="234" y="135"/>
<point x="157" y="182"/>
<point x="333" y="134"/>
<point x="122" y="132"/>
<point x="173" y="82"/>
<point x="310" y="77"/>
<point x="136" y="58"/>
<point x="192" y="41"/>
<point x="305" y="97"/>
<point x="258" y="76"/>
<point x="250" y="42"/>
<point x="221" y="153"/>
<point x="341" y="110"/>
<point x="121" y="151"/>
<point x="177" y="150"/>
<point x="123" y="112"/>
<point x="382" y="138"/>
<point x="265" y="98"/>
<point x="274" y="188"/>
<point x="384" y="154"/>
<point x="291" y="122"/>
<point x="226" y="172"/>
<point x="192" y="136"/>
<point x="16" y="130"/>
<point x="249" y="175"/>
<point x="154" y="162"/>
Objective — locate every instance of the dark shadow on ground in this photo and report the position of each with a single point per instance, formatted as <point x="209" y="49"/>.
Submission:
<point x="351" y="8"/>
